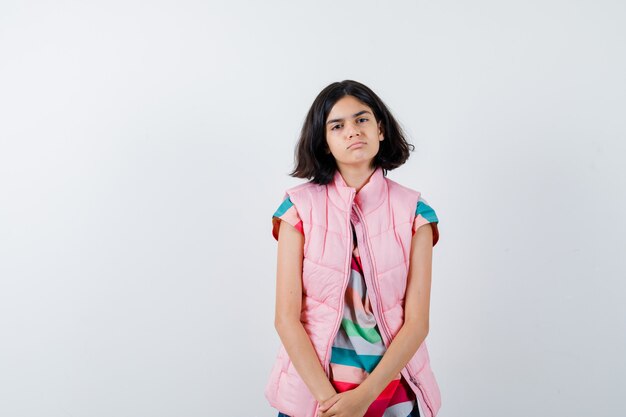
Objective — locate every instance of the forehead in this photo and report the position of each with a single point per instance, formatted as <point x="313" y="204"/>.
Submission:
<point x="347" y="106"/>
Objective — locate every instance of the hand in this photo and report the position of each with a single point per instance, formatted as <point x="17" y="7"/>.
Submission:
<point x="351" y="403"/>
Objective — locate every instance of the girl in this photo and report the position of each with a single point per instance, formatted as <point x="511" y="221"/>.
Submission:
<point x="354" y="269"/>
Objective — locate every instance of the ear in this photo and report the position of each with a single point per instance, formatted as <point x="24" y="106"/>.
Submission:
<point x="381" y="134"/>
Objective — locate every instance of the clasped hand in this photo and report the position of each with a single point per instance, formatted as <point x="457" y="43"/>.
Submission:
<point x="344" y="404"/>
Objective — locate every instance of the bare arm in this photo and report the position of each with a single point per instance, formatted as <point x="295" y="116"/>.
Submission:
<point x="288" y="307"/>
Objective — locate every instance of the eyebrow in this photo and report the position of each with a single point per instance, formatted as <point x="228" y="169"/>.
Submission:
<point x="354" y="115"/>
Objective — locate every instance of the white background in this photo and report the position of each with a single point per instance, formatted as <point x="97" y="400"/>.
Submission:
<point x="144" y="146"/>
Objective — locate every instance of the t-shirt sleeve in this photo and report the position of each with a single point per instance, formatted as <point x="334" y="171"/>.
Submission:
<point x="425" y="214"/>
<point x="287" y="212"/>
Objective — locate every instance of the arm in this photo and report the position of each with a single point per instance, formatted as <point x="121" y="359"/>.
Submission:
<point x="288" y="308"/>
<point x="409" y="337"/>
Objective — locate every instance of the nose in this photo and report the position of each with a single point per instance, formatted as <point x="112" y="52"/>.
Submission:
<point x="352" y="130"/>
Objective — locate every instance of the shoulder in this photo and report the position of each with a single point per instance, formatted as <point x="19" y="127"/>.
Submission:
<point x="305" y="193"/>
<point x="415" y="197"/>
<point x="304" y="188"/>
<point x="295" y="199"/>
<point x="402" y="189"/>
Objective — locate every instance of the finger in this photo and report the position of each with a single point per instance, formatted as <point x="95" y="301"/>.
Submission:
<point x="325" y="405"/>
<point x="332" y="400"/>
<point x="333" y="410"/>
<point x="330" y="412"/>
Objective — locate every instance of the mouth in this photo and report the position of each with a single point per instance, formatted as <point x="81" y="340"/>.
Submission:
<point x="356" y="145"/>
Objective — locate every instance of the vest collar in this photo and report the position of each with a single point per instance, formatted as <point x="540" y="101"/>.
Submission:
<point x="369" y="197"/>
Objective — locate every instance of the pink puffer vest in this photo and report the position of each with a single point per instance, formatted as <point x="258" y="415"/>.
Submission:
<point x="382" y="212"/>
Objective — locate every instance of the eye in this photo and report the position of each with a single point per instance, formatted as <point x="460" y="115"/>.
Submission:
<point x="333" y="128"/>
<point x="363" y="118"/>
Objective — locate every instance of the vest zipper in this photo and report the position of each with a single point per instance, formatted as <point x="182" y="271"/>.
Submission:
<point x="419" y="386"/>
<point x="378" y="308"/>
<point x="378" y="312"/>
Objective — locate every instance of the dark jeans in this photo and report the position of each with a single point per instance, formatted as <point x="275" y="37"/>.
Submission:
<point x="414" y="413"/>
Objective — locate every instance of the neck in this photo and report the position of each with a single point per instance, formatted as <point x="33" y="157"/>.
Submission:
<point x="356" y="177"/>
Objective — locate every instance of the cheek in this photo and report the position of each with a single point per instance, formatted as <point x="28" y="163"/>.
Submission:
<point x="332" y="145"/>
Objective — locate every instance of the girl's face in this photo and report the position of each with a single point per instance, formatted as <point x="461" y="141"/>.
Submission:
<point x="352" y="134"/>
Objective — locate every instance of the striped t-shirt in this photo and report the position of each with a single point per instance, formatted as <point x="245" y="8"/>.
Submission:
<point x="358" y="346"/>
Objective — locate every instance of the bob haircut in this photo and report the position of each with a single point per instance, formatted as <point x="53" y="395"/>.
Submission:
<point x="313" y="159"/>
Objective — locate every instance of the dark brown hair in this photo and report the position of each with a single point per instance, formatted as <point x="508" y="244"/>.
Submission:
<point x="312" y="160"/>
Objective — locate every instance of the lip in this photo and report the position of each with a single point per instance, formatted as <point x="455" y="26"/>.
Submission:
<point x="356" y="145"/>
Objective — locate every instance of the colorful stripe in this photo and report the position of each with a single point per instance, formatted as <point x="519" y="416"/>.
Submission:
<point x="282" y="209"/>
<point x="349" y="357"/>
<point x="425" y="214"/>
<point x="353" y="329"/>
<point x="426" y="211"/>
<point x="287" y="212"/>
